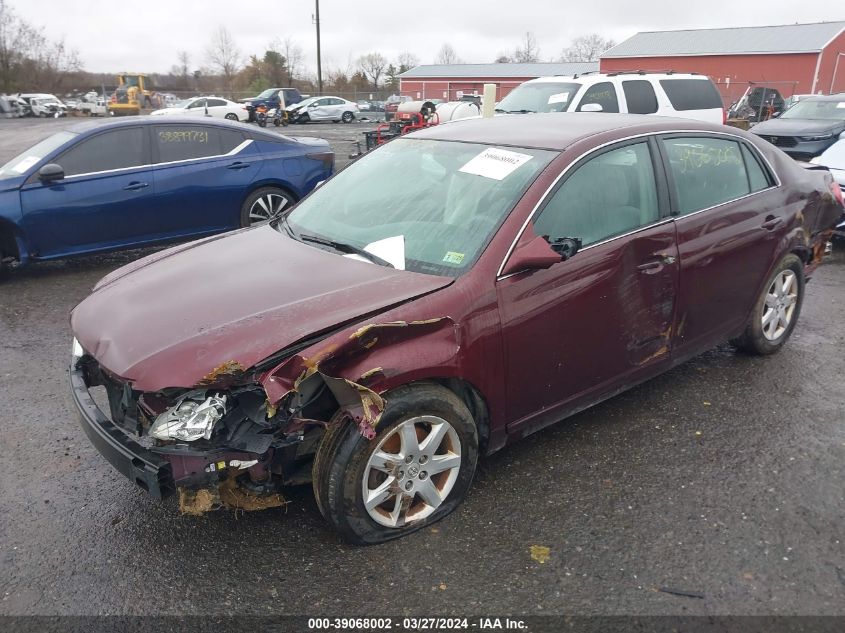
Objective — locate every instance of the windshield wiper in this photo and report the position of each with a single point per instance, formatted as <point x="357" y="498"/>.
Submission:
<point x="283" y="220"/>
<point x="349" y="249"/>
<point x="500" y="110"/>
<point x="522" y="111"/>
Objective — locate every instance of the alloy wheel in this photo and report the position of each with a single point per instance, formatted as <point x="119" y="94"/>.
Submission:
<point x="779" y="307"/>
<point x="266" y="207"/>
<point x="412" y="471"/>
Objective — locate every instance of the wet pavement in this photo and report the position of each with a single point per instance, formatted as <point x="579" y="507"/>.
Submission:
<point x="722" y="479"/>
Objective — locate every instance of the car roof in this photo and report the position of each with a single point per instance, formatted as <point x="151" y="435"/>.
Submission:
<point x="558" y="130"/>
<point x="86" y="126"/>
<point x="839" y="96"/>
<point x="624" y="75"/>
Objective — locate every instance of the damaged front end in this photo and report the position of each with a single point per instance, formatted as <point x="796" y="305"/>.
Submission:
<point x="239" y="434"/>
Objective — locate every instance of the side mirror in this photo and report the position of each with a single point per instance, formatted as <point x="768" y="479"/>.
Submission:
<point x="312" y="105"/>
<point x="591" y="107"/>
<point x="51" y="172"/>
<point x="533" y="254"/>
<point x="775" y="115"/>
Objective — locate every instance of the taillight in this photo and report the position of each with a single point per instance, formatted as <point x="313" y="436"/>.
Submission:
<point x="327" y="158"/>
<point x="836" y="190"/>
<point x="724" y="116"/>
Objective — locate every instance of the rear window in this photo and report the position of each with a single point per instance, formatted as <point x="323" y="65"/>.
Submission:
<point x="691" y="94"/>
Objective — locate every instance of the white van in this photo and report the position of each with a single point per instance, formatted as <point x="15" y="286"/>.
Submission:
<point x="690" y="96"/>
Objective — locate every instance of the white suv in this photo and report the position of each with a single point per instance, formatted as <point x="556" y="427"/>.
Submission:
<point x="691" y="96"/>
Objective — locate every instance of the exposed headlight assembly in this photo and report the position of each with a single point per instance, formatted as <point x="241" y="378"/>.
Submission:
<point x="76" y="350"/>
<point x="192" y="418"/>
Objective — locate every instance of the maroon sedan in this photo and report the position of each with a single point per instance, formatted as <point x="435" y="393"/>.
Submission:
<point x="452" y="291"/>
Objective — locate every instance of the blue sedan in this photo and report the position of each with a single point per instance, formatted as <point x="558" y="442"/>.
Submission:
<point x="128" y="183"/>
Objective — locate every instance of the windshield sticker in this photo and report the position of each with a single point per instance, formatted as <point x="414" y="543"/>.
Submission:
<point x="561" y="97"/>
<point x="25" y="164"/>
<point x="841" y="104"/>
<point x="452" y="257"/>
<point x="495" y="163"/>
<point x="183" y="136"/>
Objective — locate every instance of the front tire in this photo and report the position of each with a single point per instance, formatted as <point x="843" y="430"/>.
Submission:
<point x="263" y="204"/>
<point x="776" y="311"/>
<point x="415" y="471"/>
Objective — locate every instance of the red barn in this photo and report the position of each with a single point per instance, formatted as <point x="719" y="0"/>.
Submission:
<point x="449" y="81"/>
<point x="794" y="58"/>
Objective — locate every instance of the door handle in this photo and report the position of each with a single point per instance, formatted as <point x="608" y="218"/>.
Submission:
<point x="238" y="165"/>
<point x="772" y="223"/>
<point x="652" y="266"/>
<point x="136" y="186"/>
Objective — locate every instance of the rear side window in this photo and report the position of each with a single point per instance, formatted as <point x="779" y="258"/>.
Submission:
<point x="758" y="176"/>
<point x="706" y="172"/>
<point x="640" y="96"/>
<point x="117" y="149"/>
<point x="216" y="102"/>
<point x="604" y="94"/>
<point x="184" y="142"/>
<point x="691" y="94"/>
<point x="229" y="140"/>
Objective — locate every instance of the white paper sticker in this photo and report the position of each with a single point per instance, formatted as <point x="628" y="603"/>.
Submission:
<point x="495" y="163"/>
<point x="26" y="163"/>
<point x="390" y="249"/>
<point x="560" y="97"/>
<point x="841" y="104"/>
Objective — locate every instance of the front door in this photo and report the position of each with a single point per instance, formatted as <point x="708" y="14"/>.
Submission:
<point x="100" y="203"/>
<point x="603" y="318"/>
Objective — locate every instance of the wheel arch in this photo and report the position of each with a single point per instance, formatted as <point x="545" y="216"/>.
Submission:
<point x="278" y="184"/>
<point x="12" y="241"/>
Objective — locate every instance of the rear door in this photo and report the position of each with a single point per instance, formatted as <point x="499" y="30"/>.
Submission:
<point x="100" y="203"/>
<point x="730" y="220"/>
<point x="693" y="99"/>
<point x="603" y="317"/>
<point x="202" y="173"/>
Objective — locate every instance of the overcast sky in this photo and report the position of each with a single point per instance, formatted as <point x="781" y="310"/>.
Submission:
<point x="117" y="35"/>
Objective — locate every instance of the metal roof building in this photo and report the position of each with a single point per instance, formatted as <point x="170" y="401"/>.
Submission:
<point x="450" y="81"/>
<point x="795" y="58"/>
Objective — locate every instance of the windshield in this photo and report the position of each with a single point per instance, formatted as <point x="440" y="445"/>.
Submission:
<point x="816" y="109"/>
<point x="305" y="102"/>
<point x="267" y="93"/>
<point x="540" y="96"/>
<point x="425" y="206"/>
<point x="22" y="162"/>
<point x="182" y="103"/>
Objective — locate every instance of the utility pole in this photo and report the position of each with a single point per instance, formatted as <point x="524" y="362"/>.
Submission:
<point x="319" y="63"/>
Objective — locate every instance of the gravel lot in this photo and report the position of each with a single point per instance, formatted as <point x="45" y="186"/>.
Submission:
<point x="722" y="478"/>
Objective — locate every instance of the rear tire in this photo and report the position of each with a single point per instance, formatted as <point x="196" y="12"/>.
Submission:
<point x="232" y="116"/>
<point x="263" y="204"/>
<point x="347" y="466"/>
<point x="776" y="311"/>
<point x="347" y="117"/>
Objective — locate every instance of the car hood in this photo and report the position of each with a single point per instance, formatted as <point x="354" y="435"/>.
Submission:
<point x="178" y="316"/>
<point x="797" y="127"/>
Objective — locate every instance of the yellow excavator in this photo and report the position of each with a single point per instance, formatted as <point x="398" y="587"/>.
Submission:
<point x="134" y="91"/>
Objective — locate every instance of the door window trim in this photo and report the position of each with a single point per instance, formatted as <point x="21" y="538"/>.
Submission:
<point x="681" y="132"/>
<point x="762" y="159"/>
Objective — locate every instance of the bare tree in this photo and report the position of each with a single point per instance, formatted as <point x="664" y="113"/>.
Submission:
<point x="184" y="64"/>
<point x="406" y="61"/>
<point x="372" y="66"/>
<point x="224" y="54"/>
<point x="447" y="55"/>
<point x="527" y="52"/>
<point x="586" y="48"/>
<point x="293" y="54"/>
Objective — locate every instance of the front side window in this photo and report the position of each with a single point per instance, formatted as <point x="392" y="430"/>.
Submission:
<point x="542" y="96"/>
<point x="706" y="171"/>
<point x="185" y="142"/>
<point x="609" y="195"/>
<point x="116" y="149"/>
<point x="199" y="103"/>
<point x="437" y="222"/>
<point x="604" y="94"/>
